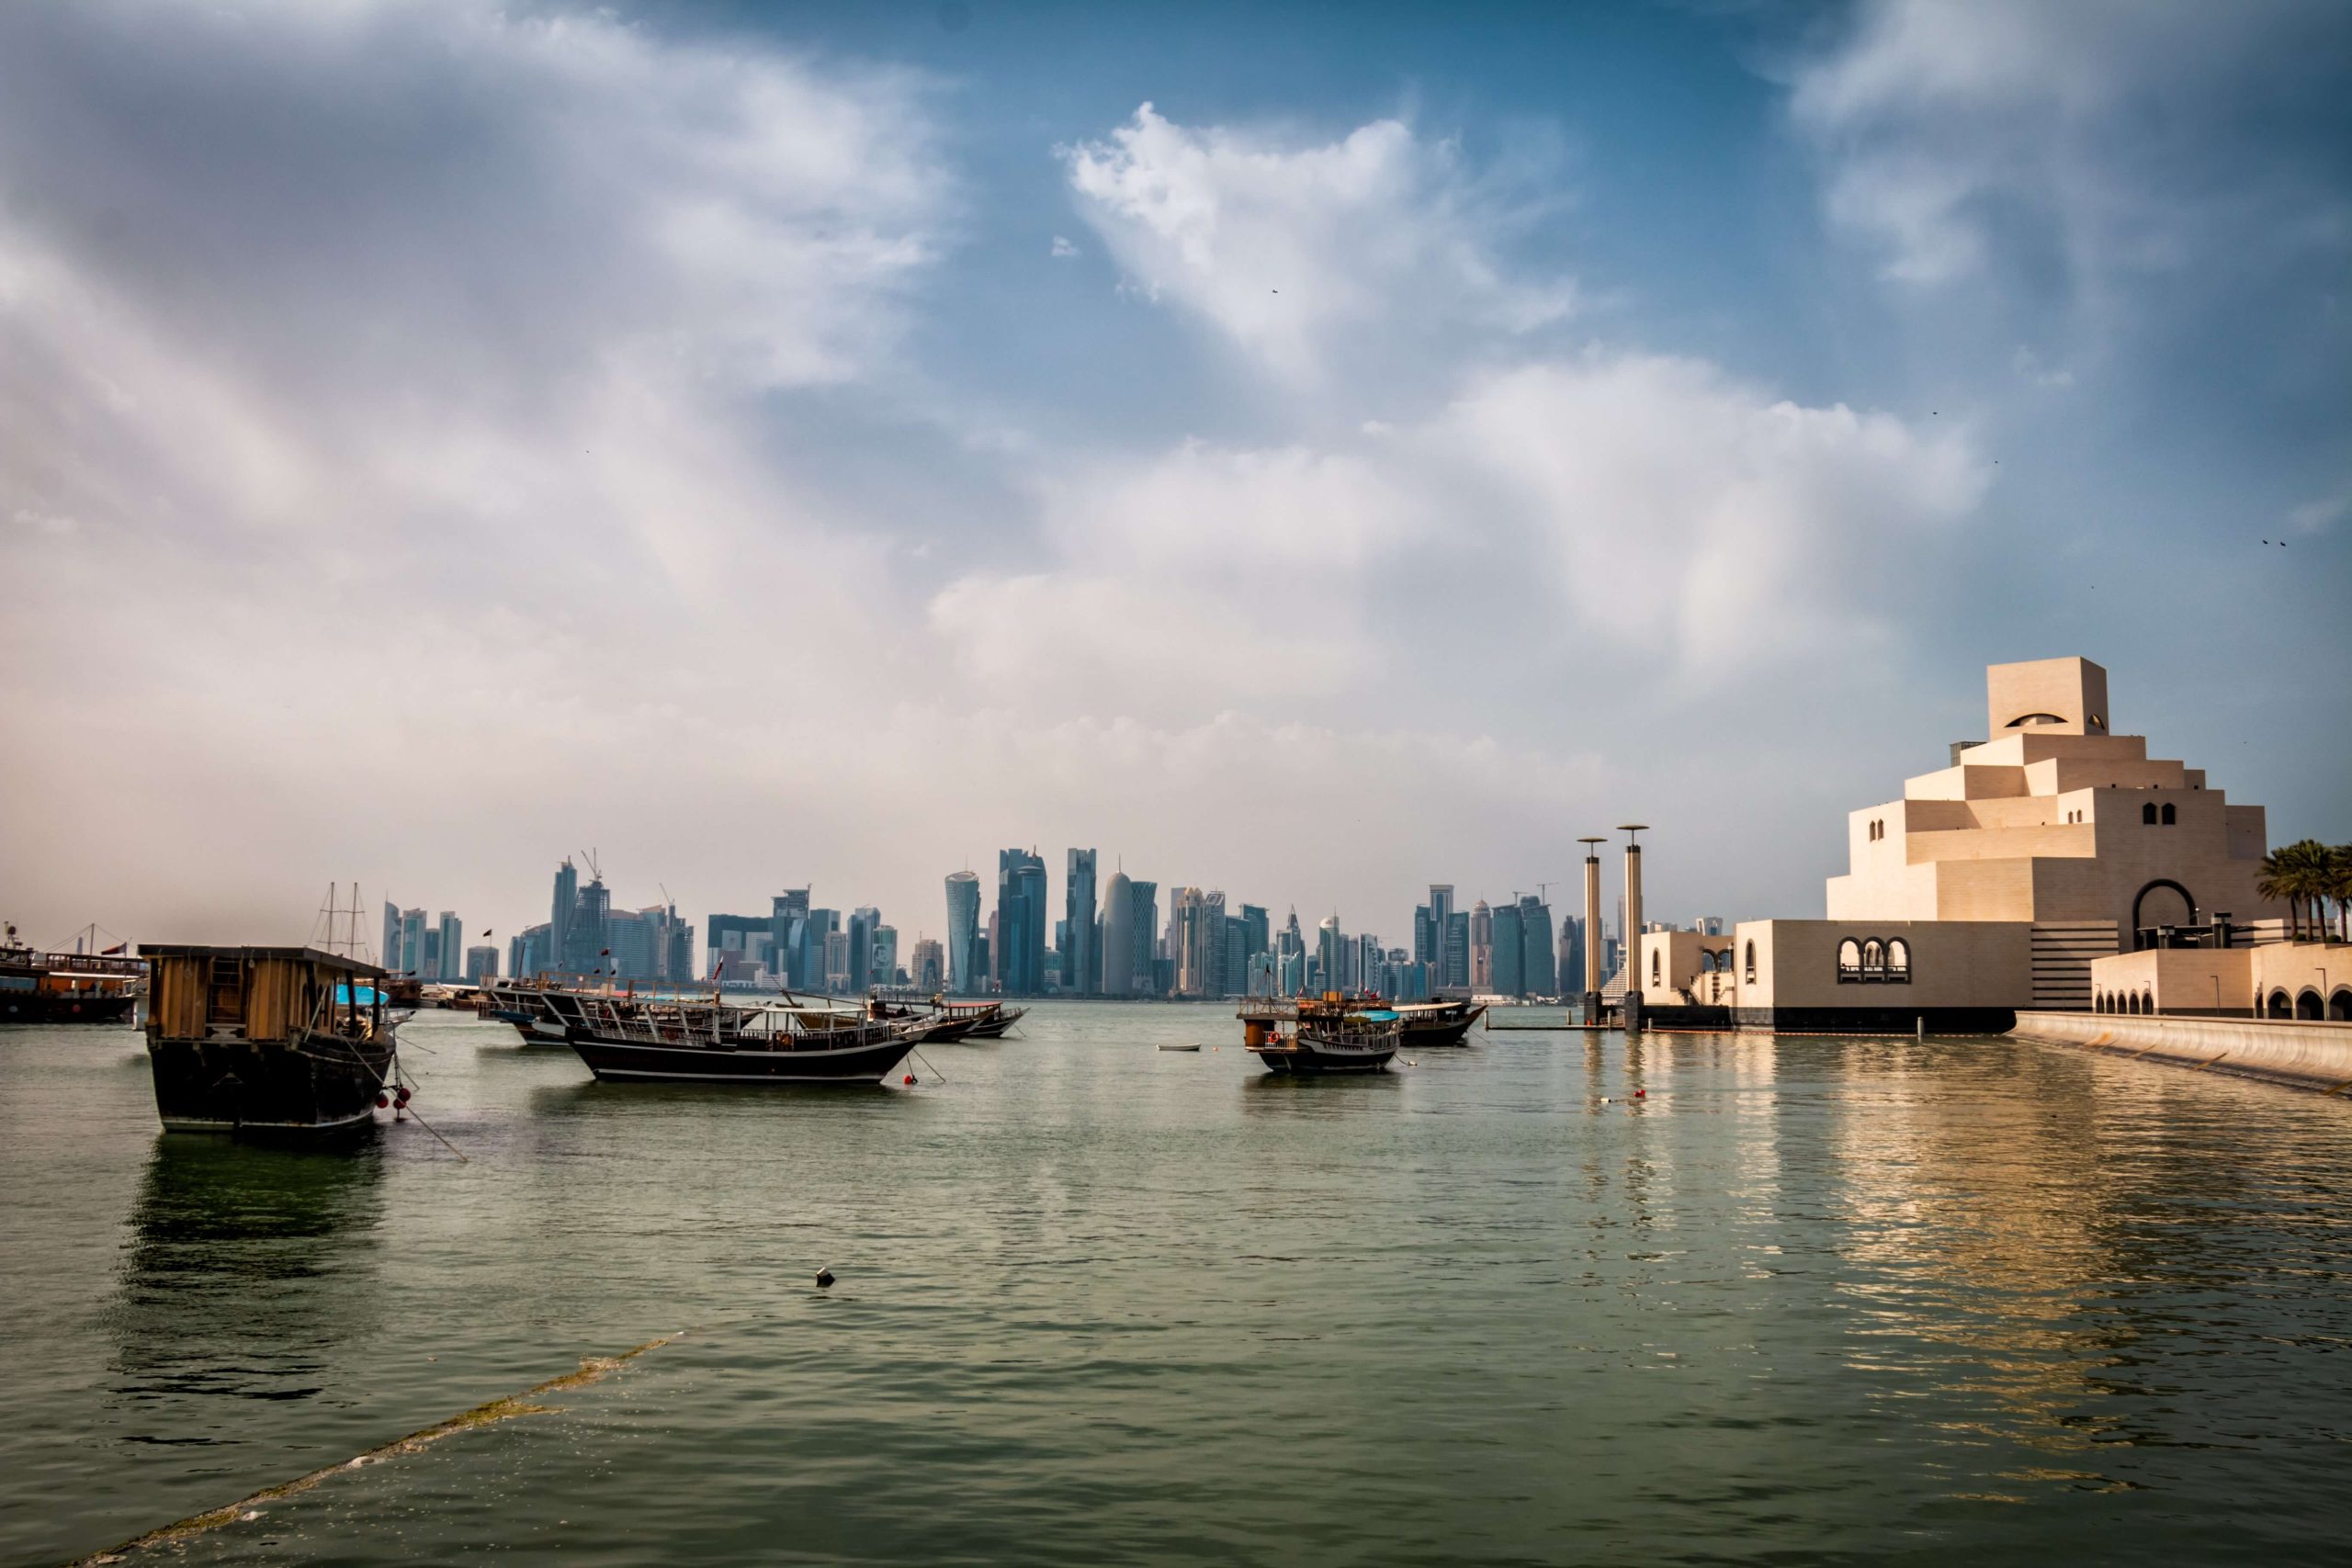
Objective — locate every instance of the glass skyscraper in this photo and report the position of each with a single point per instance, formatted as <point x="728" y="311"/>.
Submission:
<point x="963" y="933"/>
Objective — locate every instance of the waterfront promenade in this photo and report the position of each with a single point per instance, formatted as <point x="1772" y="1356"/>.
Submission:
<point x="1546" y="1298"/>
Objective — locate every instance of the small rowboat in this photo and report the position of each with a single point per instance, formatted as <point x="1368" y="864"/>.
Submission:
<point x="1179" y="1047"/>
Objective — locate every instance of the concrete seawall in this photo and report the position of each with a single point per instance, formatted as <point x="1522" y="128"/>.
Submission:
<point x="2307" y="1055"/>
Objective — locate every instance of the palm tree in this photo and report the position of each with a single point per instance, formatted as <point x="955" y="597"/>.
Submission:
<point x="2296" y="874"/>
<point x="2339" y="888"/>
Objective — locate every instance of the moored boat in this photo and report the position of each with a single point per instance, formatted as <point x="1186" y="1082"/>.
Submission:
<point x="627" y="1041"/>
<point x="67" y="988"/>
<point x="1353" y="1043"/>
<point x="268" y="1041"/>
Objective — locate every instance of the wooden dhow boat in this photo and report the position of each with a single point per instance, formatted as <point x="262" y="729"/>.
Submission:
<point x="1349" y="1042"/>
<point x="67" y="988"/>
<point x="286" y="1043"/>
<point x="1431" y="1023"/>
<point x="625" y="1040"/>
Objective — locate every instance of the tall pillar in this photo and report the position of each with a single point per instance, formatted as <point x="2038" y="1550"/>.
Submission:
<point x="1634" y="973"/>
<point x="1592" y="975"/>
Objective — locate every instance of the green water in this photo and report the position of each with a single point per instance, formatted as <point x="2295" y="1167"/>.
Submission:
<point x="1809" y="1300"/>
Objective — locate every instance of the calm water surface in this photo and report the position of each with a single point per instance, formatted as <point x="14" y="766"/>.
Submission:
<point x="1809" y="1300"/>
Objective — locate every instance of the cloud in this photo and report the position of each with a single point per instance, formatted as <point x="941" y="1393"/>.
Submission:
<point x="2103" y="137"/>
<point x="2321" y="514"/>
<point x="1063" y="250"/>
<point x="1287" y="246"/>
<point x="1646" y="500"/>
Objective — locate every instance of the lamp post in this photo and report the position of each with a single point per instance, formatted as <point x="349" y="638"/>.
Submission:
<point x="1633" y="925"/>
<point x="1592" y="1008"/>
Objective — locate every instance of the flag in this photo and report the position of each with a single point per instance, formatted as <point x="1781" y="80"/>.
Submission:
<point x="118" y="947"/>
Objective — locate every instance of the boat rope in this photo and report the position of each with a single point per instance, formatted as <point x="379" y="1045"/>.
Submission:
<point x="919" y="1056"/>
<point x="245" y="1509"/>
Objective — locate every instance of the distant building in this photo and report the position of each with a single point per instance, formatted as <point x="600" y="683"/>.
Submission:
<point x="1538" y="975"/>
<point x="1506" y="953"/>
<point x="566" y="899"/>
<point x="1021" y="922"/>
<point x="482" y="964"/>
<point x="928" y="966"/>
<point x="1327" y="960"/>
<point x="789" y="955"/>
<point x="739" y="947"/>
<point x="863" y="921"/>
<point x="884" y="967"/>
<point x="389" y="956"/>
<point x="1081" y="964"/>
<point x="1482" y="947"/>
<point x="452" y="946"/>
<point x="1457" y="949"/>
<point x="964" y="974"/>
<point x="1119" y="950"/>
<point x="412" y="944"/>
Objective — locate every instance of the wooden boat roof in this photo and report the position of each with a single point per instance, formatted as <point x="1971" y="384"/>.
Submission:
<point x="335" y="963"/>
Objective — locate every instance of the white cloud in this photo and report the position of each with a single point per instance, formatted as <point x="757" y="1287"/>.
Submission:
<point x="2322" y="513"/>
<point x="1287" y="245"/>
<point x="1063" y="250"/>
<point x="2082" y="132"/>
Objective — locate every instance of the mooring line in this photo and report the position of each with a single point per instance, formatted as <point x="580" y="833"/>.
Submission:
<point x="592" y="1368"/>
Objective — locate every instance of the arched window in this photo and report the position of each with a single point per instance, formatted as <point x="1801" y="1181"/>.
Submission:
<point x="1898" y="959"/>
<point x="2339" y="1006"/>
<point x="1653" y="966"/>
<point x="2307" y="1005"/>
<point x="1874" y="957"/>
<point x="1850" y="959"/>
<point x="2099" y="1003"/>
<point x="2280" y="1006"/>
<point x="1751" y="962"/>
<point x="2167" y="814"/>
<point x="2147" y="1001"/>
<point x="2148" y="814"/>
<point x="1706" y="962"/>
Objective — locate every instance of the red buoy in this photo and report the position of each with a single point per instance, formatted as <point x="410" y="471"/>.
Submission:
<point x="401" y="1096"/>
<point x="910" y="1078"/>
<point x="382" y="1101"/>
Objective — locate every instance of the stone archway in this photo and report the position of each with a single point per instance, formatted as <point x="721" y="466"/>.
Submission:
<point x="2308" y="1006"/>
<point x="2163" y="910"/>
<point x="2339" y="1006"/>
<point x="2279" y="1007"/>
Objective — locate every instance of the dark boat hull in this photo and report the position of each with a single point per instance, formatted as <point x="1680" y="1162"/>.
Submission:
<point x="1447" y="1032"/>
<point x="62" y="1006"/>
<point x="323" y="1092"/>
<point x="1308" y="1062"/>
<point x="626" y="1062"/>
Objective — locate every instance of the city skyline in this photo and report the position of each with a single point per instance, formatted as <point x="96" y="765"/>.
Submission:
<point x="1377" y="449"/>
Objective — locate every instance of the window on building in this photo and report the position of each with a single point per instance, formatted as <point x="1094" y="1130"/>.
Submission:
<point x="2167" y="816"/>
<point x="1898" y="960"/>
<point x="2148" y="814"/>
<point x="1654" y="968"/>
<point x="1850" y="959"/>
<point x="1751" y="962"/>
<point x="2147" y="1001"/>
<point x="1874" y="957"/>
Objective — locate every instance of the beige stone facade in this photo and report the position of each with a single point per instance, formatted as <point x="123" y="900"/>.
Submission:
<point x="1993" y="884"/>
<point x="2309" y="980"/>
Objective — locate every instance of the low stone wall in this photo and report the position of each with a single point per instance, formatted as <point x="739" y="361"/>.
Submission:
<point x="2311" y="1055"/>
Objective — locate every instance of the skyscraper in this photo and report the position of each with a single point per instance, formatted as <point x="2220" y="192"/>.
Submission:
<point x="1506" y="951"/>
<point x="963" y="931"/>
<point x="1457" y="949"/>
<point x="412" y="958"/>
<point x="481" y="964"/>
<point x="428" y="966"/>
<point x="884" y="969"/>
<point x="1081" y="966"/>
<point x="1482" y="946"/>
<point x="1021" y="921"/>
<point x="566" y="898"/>
<point x="452" y="945"/>
<point x="1257" y="932"/>
<point x="1537" y="974"/>
<point x="1327" y="942"/>
<point x="1118" y="936"/>
<point x="587" y="941"/>
<point x="389" y="956"/>
<point x="928" y="966"/>
<point x="788" y="936"/>
<point x="863" y="921"/>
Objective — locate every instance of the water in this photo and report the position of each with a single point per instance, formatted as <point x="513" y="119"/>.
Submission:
<point x="1809" y="1300"/>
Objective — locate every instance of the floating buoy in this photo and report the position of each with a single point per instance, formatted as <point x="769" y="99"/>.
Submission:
<point x="1640" y="1094"/>
<point x="1604" y="1099"/>
<point x="824" y="1278"/>
<point x="382" y="1101"/>
<point x="401" y="1096"/>
<point x="910" y="1078"/>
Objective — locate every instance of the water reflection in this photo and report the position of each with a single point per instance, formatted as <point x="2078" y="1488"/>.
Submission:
<point x="249" y="1274"/>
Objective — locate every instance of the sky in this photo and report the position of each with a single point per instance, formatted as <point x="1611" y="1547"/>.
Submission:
<point x="1312" y="452"/>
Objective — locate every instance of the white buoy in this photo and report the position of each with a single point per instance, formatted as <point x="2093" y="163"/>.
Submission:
<point x="824" y="1278"/>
